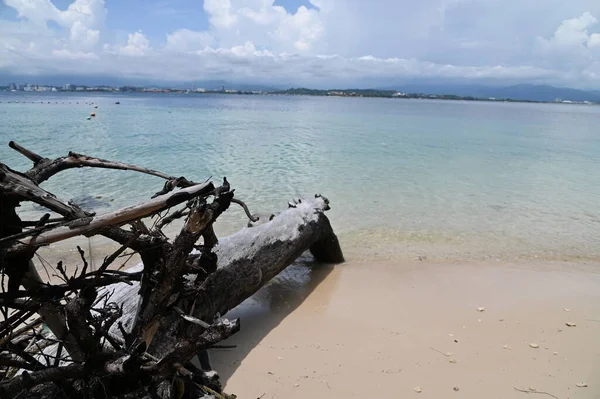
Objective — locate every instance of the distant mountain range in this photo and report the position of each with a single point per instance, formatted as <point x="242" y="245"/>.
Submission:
<point x="517" y="92"/>
<point x="531" y="92"/>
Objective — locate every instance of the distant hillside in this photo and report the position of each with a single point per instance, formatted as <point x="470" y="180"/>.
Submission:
<point x="337" y="92"/>
<point x="517" y="92"/>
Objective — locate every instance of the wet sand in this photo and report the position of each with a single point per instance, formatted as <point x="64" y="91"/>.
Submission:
<point x="386" y="329"/>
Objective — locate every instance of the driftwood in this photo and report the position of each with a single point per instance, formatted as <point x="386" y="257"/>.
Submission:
<point x="135" y="333"/>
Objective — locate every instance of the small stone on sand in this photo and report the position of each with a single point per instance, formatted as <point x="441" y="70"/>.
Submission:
<point x="567" y="310"/>
<point x="581" y="385"/>
<point x="296" y="385"/>
<point x="570" y="324"/>
<point x="417" y="390"/>
<point x="534" y="346"/>
<point x="555" y="353"/>
<point x="452" y="360"/>
<point x="481" y="309"/>
<point x="456" y="389"/>
<point x="507" y="347"/>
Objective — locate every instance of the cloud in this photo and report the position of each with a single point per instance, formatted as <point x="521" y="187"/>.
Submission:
<point x="233" y="22"/>
<point x="352" y="42"/>
<point x="137" y="45"/>
<point x="573" y="48"/>
<point x="572" y="35"/>
<point x="70" y="55"/>
<point x="220" y="14"/>
<point x="186" y="40"/>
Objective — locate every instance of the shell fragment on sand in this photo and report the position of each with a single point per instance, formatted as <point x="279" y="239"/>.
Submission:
<point x="581" y="385"/>
<point x="570" y="324"/>
<point x="481" y="309"/>
<point x="418" y="390"/>
<point x="534" y="346"/>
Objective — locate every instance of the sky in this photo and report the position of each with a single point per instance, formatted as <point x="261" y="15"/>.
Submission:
<point x="314" y="43"/>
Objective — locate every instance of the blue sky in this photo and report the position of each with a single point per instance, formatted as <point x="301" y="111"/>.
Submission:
<point x="305" y="42"/>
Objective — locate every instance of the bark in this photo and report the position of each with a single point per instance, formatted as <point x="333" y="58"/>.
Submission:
<point x="251" y="258"/>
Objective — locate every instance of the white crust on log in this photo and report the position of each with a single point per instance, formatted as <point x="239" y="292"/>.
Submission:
<point x="284" y="227"/>
<point x="241" y="245"/>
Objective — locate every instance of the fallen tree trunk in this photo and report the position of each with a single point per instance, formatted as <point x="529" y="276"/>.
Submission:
<point x="133" y="334"/>
<point x="247" y="260"/>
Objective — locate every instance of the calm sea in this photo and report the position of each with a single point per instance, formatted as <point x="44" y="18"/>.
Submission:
<point x="406" y="178"/>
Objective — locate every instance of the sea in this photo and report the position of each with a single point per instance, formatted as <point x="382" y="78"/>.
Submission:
<point x="406" y="179"/>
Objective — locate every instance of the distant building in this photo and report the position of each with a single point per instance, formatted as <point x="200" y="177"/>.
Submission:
<point x="67" y="86"/>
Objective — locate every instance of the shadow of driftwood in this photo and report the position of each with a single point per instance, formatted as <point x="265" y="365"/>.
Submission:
<point x="266" y="309"/>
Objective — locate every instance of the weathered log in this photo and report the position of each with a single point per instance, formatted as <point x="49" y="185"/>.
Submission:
<point x="148" y="332"/>
<point x="247" y="260"/>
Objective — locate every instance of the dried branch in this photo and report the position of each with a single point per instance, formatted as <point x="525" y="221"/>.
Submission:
<point x="243" y="205"/>
<point x="90" y="226"/>
<point x="35" y="158"/>
<point x="172" y="217"/>
<point x="110" y="259"/>
<point x="45" y="168"/>
<point x="20" y="187"/>
<point x="191" y="319"/>
<point x="47" y="292"/>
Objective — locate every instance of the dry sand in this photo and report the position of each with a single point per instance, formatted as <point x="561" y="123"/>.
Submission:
<point x="382" y="330"/>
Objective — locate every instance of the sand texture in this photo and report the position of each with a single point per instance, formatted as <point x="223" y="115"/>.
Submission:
<point x="419" y="330"/>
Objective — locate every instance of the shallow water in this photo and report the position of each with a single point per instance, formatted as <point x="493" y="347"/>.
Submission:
<point x="406" y="178"/>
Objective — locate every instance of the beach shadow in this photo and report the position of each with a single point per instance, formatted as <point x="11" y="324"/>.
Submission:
<point x="266" y="309"/>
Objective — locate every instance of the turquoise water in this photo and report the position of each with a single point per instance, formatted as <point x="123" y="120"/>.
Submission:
<point x="406" y="178"/>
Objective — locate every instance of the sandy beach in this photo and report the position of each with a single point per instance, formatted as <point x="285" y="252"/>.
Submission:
<point x="377" y="327"/>
<point x="419" y="329"/>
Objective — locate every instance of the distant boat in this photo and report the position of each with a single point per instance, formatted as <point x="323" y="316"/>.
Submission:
<point x="117" y="102"/>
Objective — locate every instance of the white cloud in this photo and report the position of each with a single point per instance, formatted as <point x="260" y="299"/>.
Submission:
<point x="83" y="37"/>
<point x="137" y="45"/>
<point x="594" y="40"/>
<point x="220" y="13"/>
<point x="572" y="35"/>
<point x="36" y="11"/>
<point x="70" y="55"/>
<point x="351" y="41"/>
<point x="187" y="40"/>
<point x="573" y="48"/>
<point x="235" y="22"/>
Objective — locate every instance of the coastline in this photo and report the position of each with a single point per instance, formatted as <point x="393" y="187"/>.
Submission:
<point x="387" y="327"/>
<point x="384" y="329"/>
